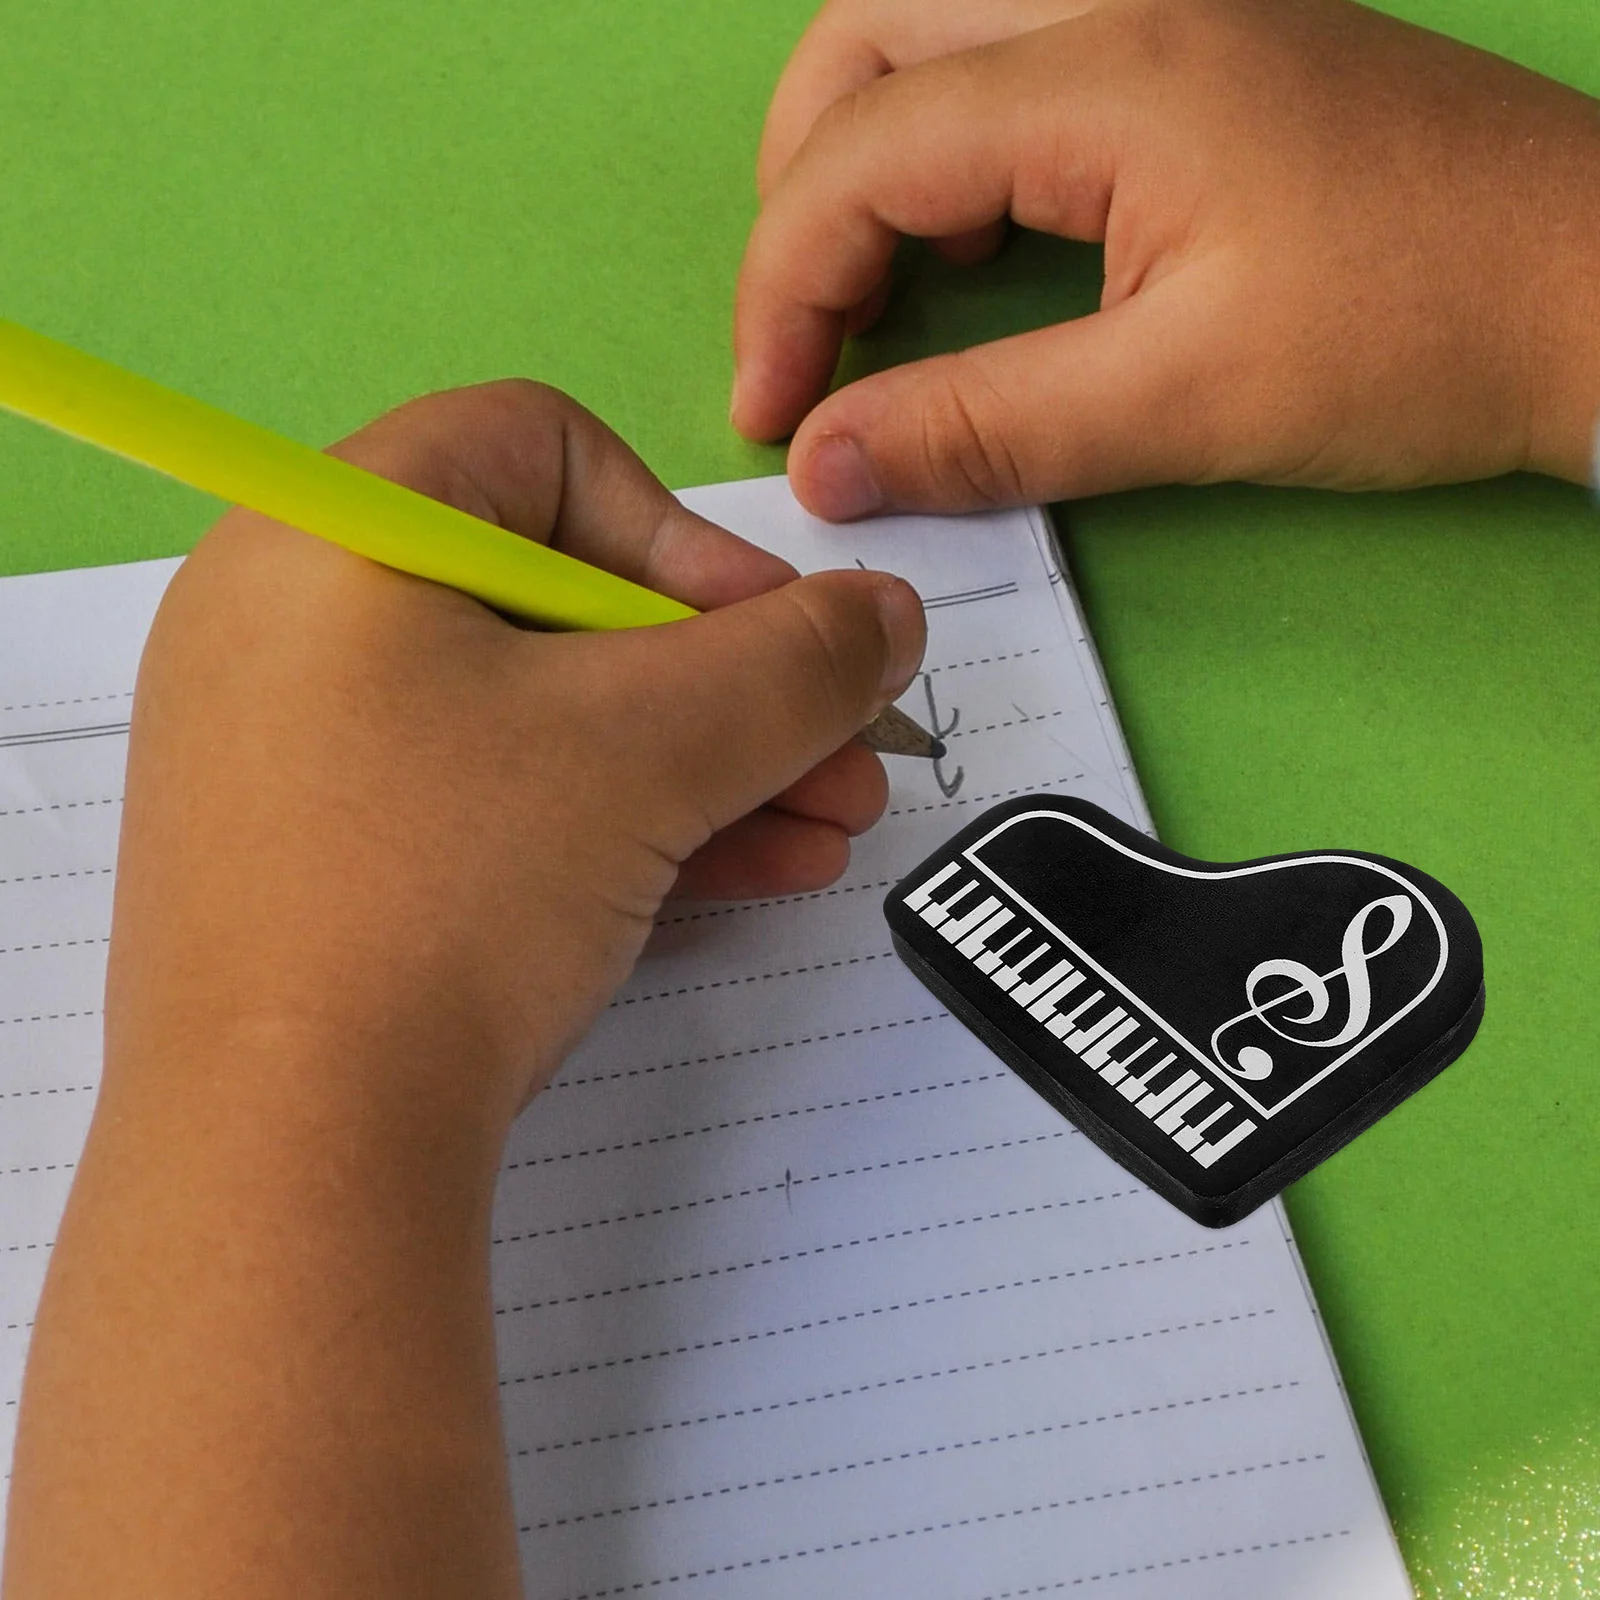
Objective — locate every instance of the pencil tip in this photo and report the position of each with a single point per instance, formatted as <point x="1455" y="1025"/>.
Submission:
<point x="893" y="733"/>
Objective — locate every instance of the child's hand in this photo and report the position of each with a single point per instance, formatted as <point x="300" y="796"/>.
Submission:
<point x="357" y="797"/>
<point x="383" y="857"/>
<point x="1340" y="251"/>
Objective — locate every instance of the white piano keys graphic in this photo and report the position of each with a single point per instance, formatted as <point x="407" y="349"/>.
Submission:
<point x="1043" y="979"/>
<point x="918" y="900"/>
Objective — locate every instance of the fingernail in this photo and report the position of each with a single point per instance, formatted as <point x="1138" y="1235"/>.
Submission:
<point x="733" y="398"/>
<point x="839" y="479"/>
<point x="906" y="629"/>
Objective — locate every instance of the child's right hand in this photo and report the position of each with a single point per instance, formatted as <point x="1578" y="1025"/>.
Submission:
<point x="1340" y="251"/>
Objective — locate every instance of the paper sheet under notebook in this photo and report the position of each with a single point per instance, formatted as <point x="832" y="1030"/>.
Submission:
<point x="799" y="1291"/>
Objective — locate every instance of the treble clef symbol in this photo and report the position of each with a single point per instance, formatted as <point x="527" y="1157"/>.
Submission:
<point x="1251" y="1061"/>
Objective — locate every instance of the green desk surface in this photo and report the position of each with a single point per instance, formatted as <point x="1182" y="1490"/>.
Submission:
<point x="308" y="210"/>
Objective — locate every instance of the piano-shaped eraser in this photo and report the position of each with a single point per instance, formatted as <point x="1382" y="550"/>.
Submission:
<point x="1218" y="1029"/>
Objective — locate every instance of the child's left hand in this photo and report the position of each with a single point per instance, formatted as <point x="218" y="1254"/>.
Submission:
<point x="352" y="791"/>
<point x="383" y="858"/>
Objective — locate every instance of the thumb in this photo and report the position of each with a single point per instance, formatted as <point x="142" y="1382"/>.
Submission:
<point x="1109" y="401"/>
<point x="741" y="702"/>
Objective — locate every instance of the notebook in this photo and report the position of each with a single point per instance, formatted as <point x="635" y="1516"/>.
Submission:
<point x="798" y="1290"/>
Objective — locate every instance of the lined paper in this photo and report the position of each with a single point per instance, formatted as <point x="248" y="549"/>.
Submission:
<point x="798" y="1289"/>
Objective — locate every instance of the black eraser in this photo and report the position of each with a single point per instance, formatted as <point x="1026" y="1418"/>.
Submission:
<point x="1218" y="1028"/>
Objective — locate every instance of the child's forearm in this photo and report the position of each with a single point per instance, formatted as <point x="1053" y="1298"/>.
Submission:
<point x="264" y="1365"/>
<point x="1563" y="332"/>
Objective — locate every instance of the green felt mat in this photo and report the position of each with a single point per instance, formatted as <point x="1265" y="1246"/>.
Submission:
<point x="309" y="210"/>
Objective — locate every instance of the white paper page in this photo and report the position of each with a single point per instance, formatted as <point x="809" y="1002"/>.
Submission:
<point x="798" y="1289"/>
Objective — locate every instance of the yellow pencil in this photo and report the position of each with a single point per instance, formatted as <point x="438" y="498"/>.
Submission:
<point x="237" y="461"/>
